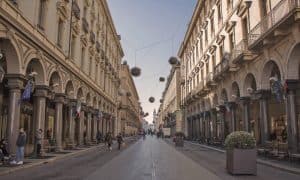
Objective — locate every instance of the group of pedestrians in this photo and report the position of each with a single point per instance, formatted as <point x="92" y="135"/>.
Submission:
<point x="22" y="138"/>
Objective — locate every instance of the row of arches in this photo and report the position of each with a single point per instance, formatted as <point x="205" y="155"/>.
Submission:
<point x="249" y="101"/>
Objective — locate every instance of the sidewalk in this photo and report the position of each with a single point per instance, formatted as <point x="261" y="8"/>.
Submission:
<point x="48" y="158"/>
<point x="285" y="166"/>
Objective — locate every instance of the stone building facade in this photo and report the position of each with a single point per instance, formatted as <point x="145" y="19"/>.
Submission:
<point x="240" y="70"/>
<point x="169" y="111"/>
<point x="70" y="51"/>
<point x="129" y="108"/>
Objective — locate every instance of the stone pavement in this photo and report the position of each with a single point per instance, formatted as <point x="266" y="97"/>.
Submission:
<point x="282" y="165"/>
<point x="47" y="158"/>
<point x="152" y="159"/>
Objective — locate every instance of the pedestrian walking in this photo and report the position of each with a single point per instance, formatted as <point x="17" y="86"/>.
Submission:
<point x="38" y="140"/>
<point x="109" y="140"/>
<point x="21" y="142"/>
<point x="98" y="137"/>
<point x="120" y="140"/>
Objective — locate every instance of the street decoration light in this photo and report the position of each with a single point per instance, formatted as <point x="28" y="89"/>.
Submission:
<point x="136" y="71"/>
<point x="173" y="60"/>
<point x="161" y="79"/>
<point x="151" y="99"/>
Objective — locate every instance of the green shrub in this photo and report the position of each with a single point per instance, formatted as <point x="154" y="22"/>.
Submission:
<point x="240" y="140"/>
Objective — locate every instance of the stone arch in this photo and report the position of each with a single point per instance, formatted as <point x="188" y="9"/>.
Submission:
<point x="270" y="69"/>
<point x="235" y="91"/>
<point x="293" y="63"/>
<point x="55" y="82"/>
<point x="11" y="50"/>
<point x="250" y="85"/>
<point x="69" y="89"/>
<point x="35" y="65"/>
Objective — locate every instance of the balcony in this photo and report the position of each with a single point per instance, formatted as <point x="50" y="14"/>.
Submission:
<point x="199" y="89"/>
<point x="210" y="80"/>
<point x="241" y="53"/>
<point x="279" y="17"/>
<point x="85" y="25"/>
<point x="221" y="68"/>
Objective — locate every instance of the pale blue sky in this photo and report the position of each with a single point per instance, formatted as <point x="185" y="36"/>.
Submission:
<point x="153" y="24"/>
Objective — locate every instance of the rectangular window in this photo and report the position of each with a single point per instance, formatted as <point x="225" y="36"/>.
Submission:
<point x="82" y="58"/>
<point x="60" y="33"/>
<point x="220" y="15"/>
<point x="229" y="6"/>
<point x="207" y="68"/>
<point x="212" y="27"/>
<point x="206" y="37"/>
<point x="245" y="28"/>
<point x="41" y="17"/>
<point x="73" y="45"/>
<point x="231" y="41"/>
<point x="221" y="51"/>
<point x="90" y="66"/>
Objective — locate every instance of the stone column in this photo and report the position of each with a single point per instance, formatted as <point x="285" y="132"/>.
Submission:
<point x="71" y="121"/>
<point x="214" y="122"/>
<point x="221" y="112"/>
<point x="232" y="107"/>
<point x="263" y="95"/>
<point x="201" y="126"/>
<point x="39" y="111"/>
<point x="245" y="101"/>
<point x="292" y="126"/>
<point x="94" y="127"/>
<point x="81" y="124"/>
<point x="89" y="126"/>
<point x="59" y="101"/>
<point x="15" y="84"/>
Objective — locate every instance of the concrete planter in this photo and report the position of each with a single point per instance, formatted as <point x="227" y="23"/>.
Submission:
<point x="241" y="161"/>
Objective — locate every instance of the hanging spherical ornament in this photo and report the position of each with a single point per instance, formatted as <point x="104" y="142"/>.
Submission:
<point x="161" y="101"/>
<point x="162" y="79"/>
<point x="135" y="71"/>
<point x="124" y="62"/>
<point x="147" y="114"/>
<point x="173" y="60"/>
<point x="128" y="94"/>
<point x="151" y="99"/>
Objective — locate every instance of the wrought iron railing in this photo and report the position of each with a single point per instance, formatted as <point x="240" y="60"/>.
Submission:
<point x="241" y="47"/>
<point x="221" y="67"/>
<point x="273" y="18"/>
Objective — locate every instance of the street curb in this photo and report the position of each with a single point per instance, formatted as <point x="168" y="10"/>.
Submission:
<point x="46" y="161"/>
<point x="259" y="161"/>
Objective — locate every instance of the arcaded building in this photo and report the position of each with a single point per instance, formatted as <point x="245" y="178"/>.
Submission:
<point x="240" y="71"/>
<point x="66" y="55"/>
<point x="129" y="107"/>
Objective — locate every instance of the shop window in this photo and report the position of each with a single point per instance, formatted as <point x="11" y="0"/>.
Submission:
<point x="42" y="14"/>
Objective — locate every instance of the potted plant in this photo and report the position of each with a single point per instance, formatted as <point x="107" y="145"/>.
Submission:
<point x="179" y="139"/>
<point x="241" y="153"/>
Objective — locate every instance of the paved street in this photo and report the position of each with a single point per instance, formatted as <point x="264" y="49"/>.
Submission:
<point x="152" y="159"/>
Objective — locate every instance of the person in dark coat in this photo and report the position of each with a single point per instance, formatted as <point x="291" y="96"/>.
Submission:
<point x="3" y="150"/>
<point x="98" y="137"/>
<point x="38" y="139"/>
<point x="109" y="141"/>
<point x="21" y="142"/>
<point x="120" y="140"/>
